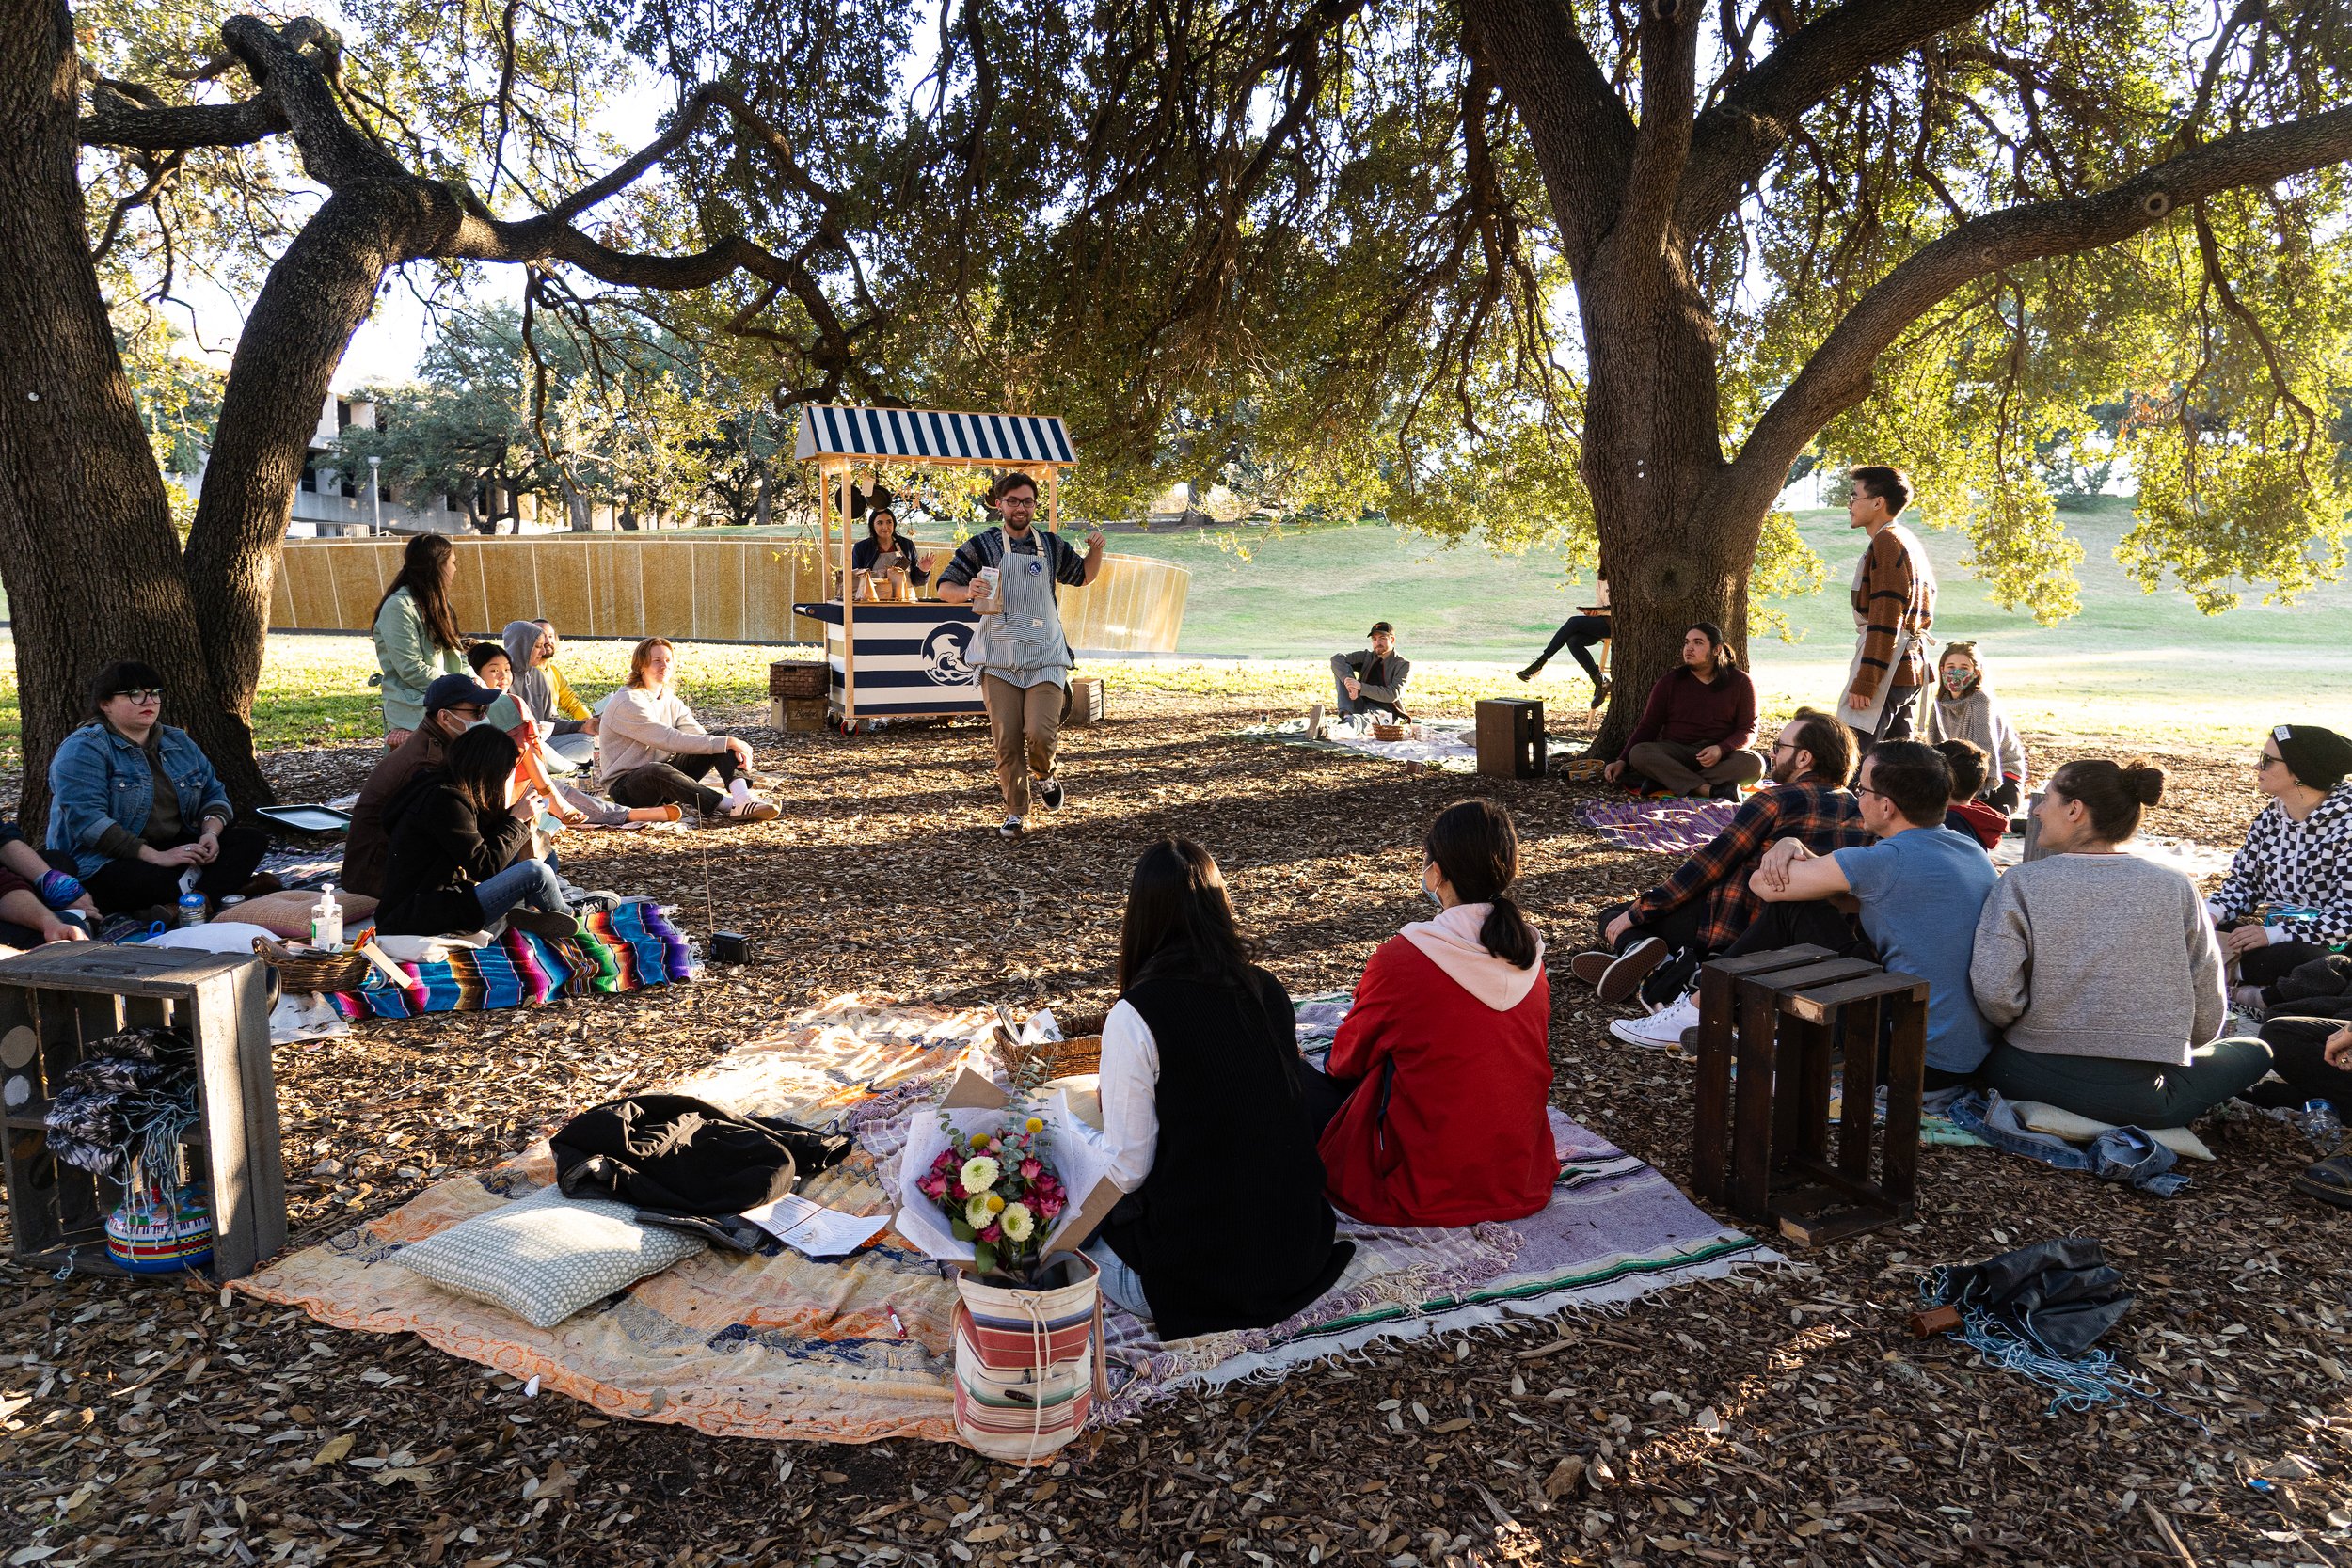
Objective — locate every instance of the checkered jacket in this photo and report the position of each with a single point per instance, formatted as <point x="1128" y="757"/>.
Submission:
<point x="2306" y="863"/>
<point x="1823" y="815"/>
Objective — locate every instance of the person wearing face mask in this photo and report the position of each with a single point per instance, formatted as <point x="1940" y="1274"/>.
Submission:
<point x="1965" y="709"/>
<point x="2288" y="896"/>
<point x="1443" y="1060"/>
<point x="1653" y="945"/>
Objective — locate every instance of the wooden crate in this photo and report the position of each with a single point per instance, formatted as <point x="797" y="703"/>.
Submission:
<point x="798" y="714"/>
<point x="1085" y="704"/>
<point x="57" y="1000"/>
<point x="1762" y="1144"/>
<point x="1511" y="736"/>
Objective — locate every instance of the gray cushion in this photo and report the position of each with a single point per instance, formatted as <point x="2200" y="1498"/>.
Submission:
<point x="546" y="1257"/>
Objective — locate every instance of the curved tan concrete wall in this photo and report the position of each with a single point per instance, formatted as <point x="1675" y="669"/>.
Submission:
<point x="694" y="586"/>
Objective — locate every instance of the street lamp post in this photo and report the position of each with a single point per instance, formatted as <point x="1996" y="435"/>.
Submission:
<point x="375" y="491"/>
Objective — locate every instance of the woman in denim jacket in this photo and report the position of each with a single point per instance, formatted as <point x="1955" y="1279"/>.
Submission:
<point x="137" y="805"/>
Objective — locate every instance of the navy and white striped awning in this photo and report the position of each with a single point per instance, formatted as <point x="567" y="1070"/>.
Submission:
<point x="926" y="436"/>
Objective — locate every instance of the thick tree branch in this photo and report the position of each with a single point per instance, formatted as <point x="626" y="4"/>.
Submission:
<point x="115" y="120"/>
<point x="1662" y="145"/>
<point x="1582" y="134"/>
<point x="334" y="152"/>
<point x="1837" y="376"/>
<point x="1736" y="141"/>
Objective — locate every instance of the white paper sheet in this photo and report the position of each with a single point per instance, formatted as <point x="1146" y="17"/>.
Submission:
<point x="813" y="1230"/>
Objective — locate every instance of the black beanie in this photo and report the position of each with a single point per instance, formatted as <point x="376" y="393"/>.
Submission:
<point x="2319" y="759"/>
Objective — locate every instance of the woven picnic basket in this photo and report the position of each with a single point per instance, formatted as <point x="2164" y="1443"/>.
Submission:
<point x="300" y="973"/>
<point x="1028" y="1362"/>
<point x="1390" y="732"/>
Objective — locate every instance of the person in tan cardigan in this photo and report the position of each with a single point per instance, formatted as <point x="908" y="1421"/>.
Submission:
<point x="654" y="750"/>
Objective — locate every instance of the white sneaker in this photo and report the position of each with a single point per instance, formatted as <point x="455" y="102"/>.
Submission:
<point x="749" y="808"/>
<point x="1663" y="1028"/>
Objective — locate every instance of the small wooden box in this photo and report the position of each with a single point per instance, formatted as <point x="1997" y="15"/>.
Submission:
<point x="1086" y="703"/>
<point x="802" y="678"/>
<point x="1510" y="737"/>
<point x="55" y="1002"/>
<point x="796" y="715"/>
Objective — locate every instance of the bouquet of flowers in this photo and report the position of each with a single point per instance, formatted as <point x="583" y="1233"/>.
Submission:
<point x="997" y="1193"/>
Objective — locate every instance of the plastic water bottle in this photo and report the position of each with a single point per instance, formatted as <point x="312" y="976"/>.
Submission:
<point x="326" y="922"/>
<point x="2322" y="1126"/>
<point x="191" y="908"/>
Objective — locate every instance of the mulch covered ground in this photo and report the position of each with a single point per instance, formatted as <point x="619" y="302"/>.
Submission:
<point x="1784" y="1420"/>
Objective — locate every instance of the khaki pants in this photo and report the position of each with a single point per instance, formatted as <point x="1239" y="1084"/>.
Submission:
<point x="1673" y="766"/>
<point x="1025" y="723"/>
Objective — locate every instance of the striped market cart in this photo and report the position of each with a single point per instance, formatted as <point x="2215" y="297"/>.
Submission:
<point x="907" y="661"/>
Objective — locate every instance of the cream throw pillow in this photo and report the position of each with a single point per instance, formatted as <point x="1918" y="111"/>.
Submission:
<point x="546" y="1257"/>
<point x="2039" y="1117"/>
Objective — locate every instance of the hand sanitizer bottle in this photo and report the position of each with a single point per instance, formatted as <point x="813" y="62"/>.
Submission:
<point x="326" y="922"/>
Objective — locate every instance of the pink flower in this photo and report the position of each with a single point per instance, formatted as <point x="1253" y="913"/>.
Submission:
<point x="1030" y="1171"/>
<point x="993" y="1233"/>
<point x="932" y="1186"/>
<point x="1048" y="1204"/>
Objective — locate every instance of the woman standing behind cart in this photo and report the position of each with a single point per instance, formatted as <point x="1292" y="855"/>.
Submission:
<point x="1019" y="649"/>
<point x="882" y="553"/>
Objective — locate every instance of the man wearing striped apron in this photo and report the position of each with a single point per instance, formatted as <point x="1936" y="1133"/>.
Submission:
<point x="1019" y="648"/>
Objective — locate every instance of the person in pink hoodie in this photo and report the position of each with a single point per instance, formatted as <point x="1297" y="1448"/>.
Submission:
<point x="1447" y="1045"/>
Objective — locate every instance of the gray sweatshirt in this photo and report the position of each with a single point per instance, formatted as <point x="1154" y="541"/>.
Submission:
<point x="1977" y="716"/>
<point x="2099" y="956"/>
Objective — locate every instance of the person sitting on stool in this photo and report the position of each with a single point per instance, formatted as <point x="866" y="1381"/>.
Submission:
<point x="1372" y="680"/>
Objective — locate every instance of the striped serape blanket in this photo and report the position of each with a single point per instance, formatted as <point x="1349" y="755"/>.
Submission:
<point x="861" y="1349"/>
<point x="1666" y="826"/>
<point x="625" y="948"/>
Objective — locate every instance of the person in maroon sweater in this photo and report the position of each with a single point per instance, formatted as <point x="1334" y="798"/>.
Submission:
<point x="1445" y="1122"/>
<point x="1695" y="731"/>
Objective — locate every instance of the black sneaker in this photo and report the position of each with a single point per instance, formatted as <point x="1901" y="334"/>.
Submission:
<point x="539" y="923"/>
<point x="1049" y="794"/>
<point x="1624" y="977"/>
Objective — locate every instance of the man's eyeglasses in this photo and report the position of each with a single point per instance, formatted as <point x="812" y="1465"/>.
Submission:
<point x="143" y="694"/>
<point x="469" y="711"/>
<point x="1866" y="789"/>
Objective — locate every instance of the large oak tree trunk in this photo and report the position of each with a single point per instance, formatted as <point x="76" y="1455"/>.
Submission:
<point x="85" y="536"/>
<point x="1678" y="545"/>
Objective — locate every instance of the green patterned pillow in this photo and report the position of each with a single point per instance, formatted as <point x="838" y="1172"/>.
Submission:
<point x="546" y="1257"/>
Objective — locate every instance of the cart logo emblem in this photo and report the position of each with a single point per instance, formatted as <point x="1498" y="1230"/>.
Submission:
<point x="943" y="655"/>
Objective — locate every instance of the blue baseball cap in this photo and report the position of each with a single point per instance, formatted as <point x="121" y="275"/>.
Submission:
<point x="450" y="691"/>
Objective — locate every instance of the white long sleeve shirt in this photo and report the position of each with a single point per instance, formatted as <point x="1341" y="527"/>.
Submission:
<point x="1130" y="1086"/>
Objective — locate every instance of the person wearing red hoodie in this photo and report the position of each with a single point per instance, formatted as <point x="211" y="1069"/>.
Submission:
<point x="1966" y="813"/>
<point x="1447" y="1045"/>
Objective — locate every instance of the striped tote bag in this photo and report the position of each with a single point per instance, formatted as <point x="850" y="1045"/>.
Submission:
<point x="1029" y="1361"/>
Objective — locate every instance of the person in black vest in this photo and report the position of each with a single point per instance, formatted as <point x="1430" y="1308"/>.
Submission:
<point x="1224" y="1224"/>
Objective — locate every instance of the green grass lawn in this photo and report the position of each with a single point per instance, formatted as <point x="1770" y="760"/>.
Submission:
<point x="2132" y="665"/>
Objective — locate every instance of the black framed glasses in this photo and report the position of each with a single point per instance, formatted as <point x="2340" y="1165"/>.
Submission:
<point x="2263" y="763"/>
<point x="142" y="694"/>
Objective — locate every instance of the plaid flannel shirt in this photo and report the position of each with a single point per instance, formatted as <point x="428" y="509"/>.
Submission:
<point x="1825" y="816"/>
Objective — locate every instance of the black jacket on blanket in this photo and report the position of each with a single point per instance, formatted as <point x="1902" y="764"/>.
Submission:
<point x="1230" y="1228"/>
<point x="442" y="849"/>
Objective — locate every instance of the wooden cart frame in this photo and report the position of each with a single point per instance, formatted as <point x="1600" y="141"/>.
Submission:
<point x="839" y="441"/>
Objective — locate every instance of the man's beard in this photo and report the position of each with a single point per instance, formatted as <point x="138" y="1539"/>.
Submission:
<point x="1785" y="768"/>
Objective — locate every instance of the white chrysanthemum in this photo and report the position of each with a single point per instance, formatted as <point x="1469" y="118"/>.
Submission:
<point x="975" y="1212"/>
<point x="981" y="1173"/>
<point x="1017" y="1221"/>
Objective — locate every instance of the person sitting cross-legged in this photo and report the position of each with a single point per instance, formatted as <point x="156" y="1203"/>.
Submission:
<point x="461" y="855"/>
<point x="2288" y="896"/>
<point x="1224" y="1224"/>
<point x="1654" y="945"/>
<point x="2100" y="967"/>
<point x="1965" y="709"/>
<point x="1693" y="735"/>
<point x="571" y="736"/>
<point x="1969" y="811"/>
<point x="1372" y="680"/>
<point x="139" y="807"/>
<point x="655" y="750"/>
<point x="1909" y="901"/>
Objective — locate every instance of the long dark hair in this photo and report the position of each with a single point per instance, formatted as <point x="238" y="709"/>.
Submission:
<point x="1724" y="658"/>
<point x="1477" y="850"/>
<point x="877" y="515"/>
<point x="477" y="765"/>
<point x="421" y="574"/>
<point x="1177" y="909"/>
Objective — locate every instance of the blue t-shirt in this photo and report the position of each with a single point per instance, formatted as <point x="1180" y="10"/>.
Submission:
<point x="1921" y="892"/>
